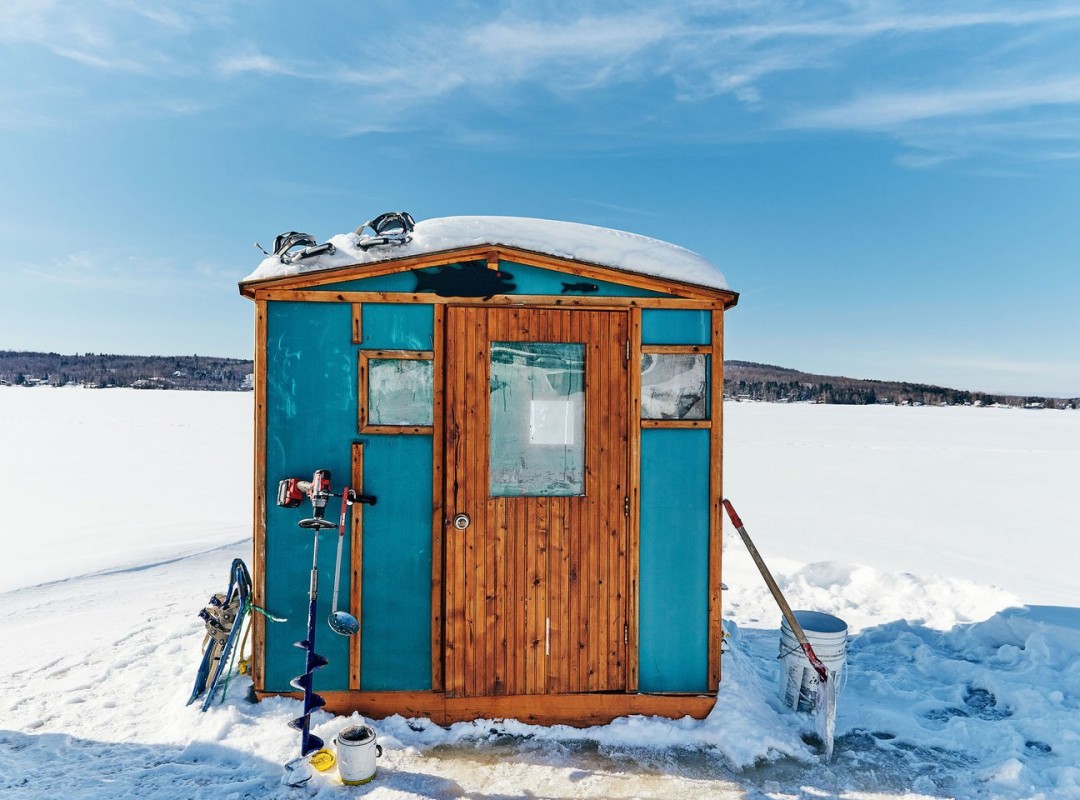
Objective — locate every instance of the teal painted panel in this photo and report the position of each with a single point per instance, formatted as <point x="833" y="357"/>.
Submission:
<point x="676" y="326"/>
<point x="397" y="326"/>
<point x="674" y="561"/>
<point x="396" y="282"/>
<point x="396" y="585"/>
<point x="311" y="420"/>
<point x="535" y="280"/>
<point x="526" y="279"/>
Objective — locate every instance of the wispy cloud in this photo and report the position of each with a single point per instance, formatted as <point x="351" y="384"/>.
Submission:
<point x="890" y="69"/>
<point x="252" y="60"/>
<point x="115" y="271"/>
<point x="108" y="35"/>
<point x="887" y="110"/>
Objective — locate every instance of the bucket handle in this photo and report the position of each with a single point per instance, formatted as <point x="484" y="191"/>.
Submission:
<point x="378" y="747"/>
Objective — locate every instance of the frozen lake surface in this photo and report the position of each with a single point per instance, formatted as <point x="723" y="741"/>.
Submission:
<point x="941" y="535"/>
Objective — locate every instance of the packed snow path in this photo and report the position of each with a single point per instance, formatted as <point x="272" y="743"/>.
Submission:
<point x="98" y="710"/>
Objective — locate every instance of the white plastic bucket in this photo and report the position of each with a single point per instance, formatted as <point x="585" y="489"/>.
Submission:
<point x="356" y="754"/>
<point x="798" y="679"/>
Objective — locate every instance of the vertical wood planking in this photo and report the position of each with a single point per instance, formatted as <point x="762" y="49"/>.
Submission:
<point x="258" y="622"/>
<point x="597" y="509"/>
<point x="601" y="505"/>
<point x="533" y="536"/>
<point x="515" y="624"/>
<point x="455" y="566"/>
<point x="633" y="534"/>
<point x="478" y="501"/>
<point x="558" y="560"/>
<point x="496" y="531"/>
<point x="491" y="590"/>
<point x="438" y="486"/>
<point x="716" y="518"/>
<point x="450" y="454"/>
<point x="356" y="562"/>
<point x="617" y="592"/>
<point x="528" y="563"/>
<point x="617" y="542"/>
<point x="473" y="549"/>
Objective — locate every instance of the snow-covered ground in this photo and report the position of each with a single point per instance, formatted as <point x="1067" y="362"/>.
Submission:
<point x="942" y="536"/>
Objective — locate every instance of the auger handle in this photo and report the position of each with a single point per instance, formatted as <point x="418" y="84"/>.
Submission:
<point x="778" y="596"/>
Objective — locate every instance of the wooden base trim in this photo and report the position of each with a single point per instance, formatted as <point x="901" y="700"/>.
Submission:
<point x="576" y="710"/>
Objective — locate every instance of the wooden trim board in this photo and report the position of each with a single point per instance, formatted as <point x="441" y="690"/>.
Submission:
<point x="258" y="622"/>
<point x="716" y="516"/>
<point x="356" y="562"/>
<point x="672" y="288"/>
<point x="575" y="710"/>
<point x="363" y="414"/>
<point x="531" y="300"/>
<point x="634" y="540"/>
<point x="438" y="514"/>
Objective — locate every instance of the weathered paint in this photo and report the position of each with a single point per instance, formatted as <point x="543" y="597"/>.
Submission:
<point x="311" y="372"/>
<point x="536" y="280"/>
<point x="675" y="326"/>
<point x="397" y="326"/>
<point x="527" y="280"/>
<point x="395" y="624"/>
<point x="311" y="420"/>
<point x="674" y="561"/>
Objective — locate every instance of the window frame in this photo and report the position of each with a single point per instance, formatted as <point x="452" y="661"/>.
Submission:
<point x="705" y="350"/>
<point x="364" y="424"/>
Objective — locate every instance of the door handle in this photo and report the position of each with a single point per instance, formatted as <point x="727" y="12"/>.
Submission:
<point x="462" y="521"/>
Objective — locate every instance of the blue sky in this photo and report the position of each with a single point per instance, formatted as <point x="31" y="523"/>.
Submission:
<point x="892" y="187"/>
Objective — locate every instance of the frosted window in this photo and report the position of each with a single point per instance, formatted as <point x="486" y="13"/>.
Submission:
<point x="400" y="391"/>
<point x="537" y="419"/>
<point x="674" y="386"/>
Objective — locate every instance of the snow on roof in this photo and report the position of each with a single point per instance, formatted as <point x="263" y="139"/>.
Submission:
<point x="571" y="240"/>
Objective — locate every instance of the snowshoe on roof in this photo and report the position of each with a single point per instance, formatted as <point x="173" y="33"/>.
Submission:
<point x="284" y="242"/>
<point x="393" y="227"/>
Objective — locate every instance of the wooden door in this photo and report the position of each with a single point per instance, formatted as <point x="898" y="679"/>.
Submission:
<point x="537" y="584"/>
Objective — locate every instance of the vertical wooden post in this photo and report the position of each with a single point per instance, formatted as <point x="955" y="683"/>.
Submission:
<point x="356" y="563"/>
<point x="716" y="509"/>
<point x="357" y="323"/>
<point x="634" y="539"/>
<point x="258" y="622"/>
<point x="438" y="490"/>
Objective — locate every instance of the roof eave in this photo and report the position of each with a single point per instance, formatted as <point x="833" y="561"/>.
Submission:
<point x="497" y="251"/>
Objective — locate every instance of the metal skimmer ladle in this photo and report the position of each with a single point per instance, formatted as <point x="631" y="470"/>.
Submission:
<point x="342" y="621"/>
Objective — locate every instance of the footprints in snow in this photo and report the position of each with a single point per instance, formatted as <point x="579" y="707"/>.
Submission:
<point x="978" y="703"/>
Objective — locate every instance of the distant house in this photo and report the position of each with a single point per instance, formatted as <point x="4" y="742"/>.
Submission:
<point x="150" y="383"/>
<point x="537" y="407"/>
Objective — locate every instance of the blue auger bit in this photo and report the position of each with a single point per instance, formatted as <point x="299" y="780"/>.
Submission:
<point x="309" y="742"/>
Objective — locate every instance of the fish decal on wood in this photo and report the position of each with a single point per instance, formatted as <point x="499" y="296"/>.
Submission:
<point x="468" y="279"/>
<point x="580" y="287"/>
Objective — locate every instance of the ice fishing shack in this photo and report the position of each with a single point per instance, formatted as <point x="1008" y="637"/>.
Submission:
<point x="536" y="406"/>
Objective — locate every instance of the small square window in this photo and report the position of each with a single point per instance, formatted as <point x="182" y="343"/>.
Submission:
<point x="674" y="386"/>
<point x="397" y="390"/>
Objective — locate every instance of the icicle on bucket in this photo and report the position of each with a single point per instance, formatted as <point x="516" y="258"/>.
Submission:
<point x="356" y="754"/>
<point x="798" y="680"/>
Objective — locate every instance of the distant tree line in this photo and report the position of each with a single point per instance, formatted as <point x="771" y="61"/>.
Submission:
<point x="750" y="381"/>
<point x="103" y="371"/>
<point x="744" y="380"/>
